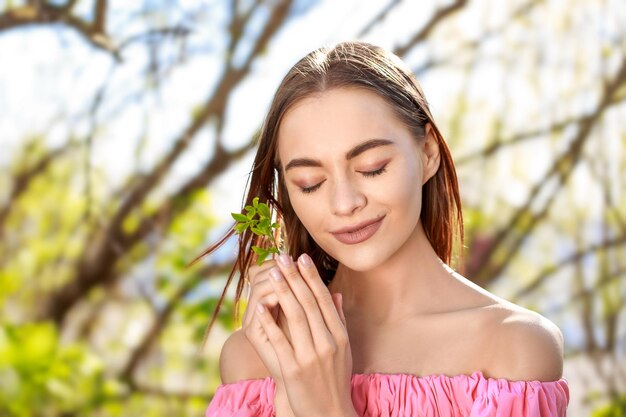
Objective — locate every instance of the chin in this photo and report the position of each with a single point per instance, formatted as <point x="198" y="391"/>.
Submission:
<point x="360" y="261"/>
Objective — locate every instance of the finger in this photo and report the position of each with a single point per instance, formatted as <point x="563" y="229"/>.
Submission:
<point x="329" y="312"/>
<point x="283" y="349"/>
<point x="321" y="336"/>
<point x="262" y="345"/>
<point x="256" y="274"/>
<point x="301" y="335"/>
<point x="257" y="292"/>
<point x="338" y="300"/>
<point x="269" y="302"/>
<point x="255" y="271"/>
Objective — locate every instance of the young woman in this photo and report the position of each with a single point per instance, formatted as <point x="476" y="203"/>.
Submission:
<point x="363" y="316"/>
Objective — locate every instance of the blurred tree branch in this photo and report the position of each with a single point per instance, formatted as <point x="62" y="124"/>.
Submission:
<point x="436" y="19"/>
<point x="47" y="12"/>
<point x="162" y="317"/>
<point x="524" y="220"/>
<point x="534" y="134"/>
<point x="96" y="266"/>
<point x="474" y="45"/>
<point x="24" y="177"/>
<point x="380" y="16"/>
<point x="574" y="258"/>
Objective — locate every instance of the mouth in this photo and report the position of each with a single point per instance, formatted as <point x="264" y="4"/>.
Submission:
<point x="358" y="233"/>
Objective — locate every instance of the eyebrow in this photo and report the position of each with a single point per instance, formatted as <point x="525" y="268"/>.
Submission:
<point x="352" y="153"/>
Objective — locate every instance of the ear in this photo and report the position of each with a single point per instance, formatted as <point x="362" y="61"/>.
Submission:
<point x="430" y="154"/>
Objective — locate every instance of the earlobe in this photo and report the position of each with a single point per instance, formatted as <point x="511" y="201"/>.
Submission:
<point x="431" y="155"/>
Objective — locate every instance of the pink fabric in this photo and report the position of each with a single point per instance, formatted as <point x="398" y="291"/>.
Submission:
<point x="396" y="395"/>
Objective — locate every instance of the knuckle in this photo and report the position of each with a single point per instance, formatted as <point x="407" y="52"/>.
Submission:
<point x="300" y="318"/>
<point x="342" y="341"/>
<point x="256" y="272"/>
<point x="309" y="303"/>
<point x="292" y="371"/>
<point x="247" y="331"/>
<point x="252" y="272"/>
<point x="309" y="362"/>
<point x="282" y="289"/>
<point x="263" y="300"/>
<point x="329" y="303"/>
<point x="327" y="350"/>
<point x="260" y="288"/>
<point x="293" y="273"/>
<point x="269" y="263"/>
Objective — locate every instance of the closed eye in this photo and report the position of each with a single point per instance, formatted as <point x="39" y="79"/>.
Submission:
<point x="375" y="173"/>
<point x="307" y="190"/>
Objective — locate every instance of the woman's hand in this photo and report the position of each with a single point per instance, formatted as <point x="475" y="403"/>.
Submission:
<point x="261" y="289"/>
<point x="316" y="365"/>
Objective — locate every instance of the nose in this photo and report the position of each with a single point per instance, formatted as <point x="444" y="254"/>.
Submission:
<point x="347" y="198"/>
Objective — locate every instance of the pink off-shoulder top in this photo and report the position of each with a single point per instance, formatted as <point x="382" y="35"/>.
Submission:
<point x="406" y="395"/>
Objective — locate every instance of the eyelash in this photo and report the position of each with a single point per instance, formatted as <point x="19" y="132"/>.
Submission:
<point x="382" y="170"/>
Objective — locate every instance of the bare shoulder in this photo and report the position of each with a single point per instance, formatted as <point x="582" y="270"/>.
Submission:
<point x="524" y="345"/>
<point x="239" y="360"/>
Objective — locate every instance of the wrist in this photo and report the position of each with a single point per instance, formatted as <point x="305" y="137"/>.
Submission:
<point x="282" y="408"/>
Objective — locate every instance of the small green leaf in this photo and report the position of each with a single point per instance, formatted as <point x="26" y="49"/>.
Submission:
<point x="258" y="250"/>
<point x="239" y="217"/>
<point x="262" y="254"/>
<point x="261" y="226"/>
<point x="264" y="210"/>
<point x="261" y="258"/>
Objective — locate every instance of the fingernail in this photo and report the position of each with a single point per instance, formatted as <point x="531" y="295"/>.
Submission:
<point x="285" y="259"/>
<point x="305" y="259"/>
<point x="260" y="308"/>
<point x="275" y="273"/>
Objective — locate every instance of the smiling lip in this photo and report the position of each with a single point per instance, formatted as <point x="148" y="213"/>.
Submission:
<point x="358" y="233"/>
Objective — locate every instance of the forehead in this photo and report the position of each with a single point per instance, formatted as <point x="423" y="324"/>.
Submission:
<point x="336" y="120"/>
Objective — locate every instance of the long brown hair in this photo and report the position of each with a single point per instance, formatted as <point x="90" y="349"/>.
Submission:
<point x="347" y="64"/>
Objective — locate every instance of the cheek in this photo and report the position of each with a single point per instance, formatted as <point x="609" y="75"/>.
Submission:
<point x="405" y="191"/>
<point x="307" y="213"/>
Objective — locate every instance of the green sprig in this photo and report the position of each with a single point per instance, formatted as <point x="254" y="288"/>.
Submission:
<point x="259" y="219"/>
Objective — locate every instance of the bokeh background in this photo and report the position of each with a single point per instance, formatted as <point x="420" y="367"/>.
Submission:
<point x="127" y="134"/>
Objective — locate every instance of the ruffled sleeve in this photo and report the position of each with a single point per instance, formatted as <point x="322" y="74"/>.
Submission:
<point x="405" y="395"/>
<point x="504" y="398"/>
<point x="246" y="398"/>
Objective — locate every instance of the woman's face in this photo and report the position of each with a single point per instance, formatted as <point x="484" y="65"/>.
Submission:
<point x="335" y="182"/>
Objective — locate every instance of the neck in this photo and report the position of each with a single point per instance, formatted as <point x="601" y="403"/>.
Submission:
<point x="413" y="281"/>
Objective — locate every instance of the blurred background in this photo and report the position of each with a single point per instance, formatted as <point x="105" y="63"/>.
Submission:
<point x="127" y="134"/>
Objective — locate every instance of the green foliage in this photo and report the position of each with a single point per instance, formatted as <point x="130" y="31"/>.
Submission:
<point x="37" y="371"/>
<point x="617" y="408"/>
<point x="259" y="219"/>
